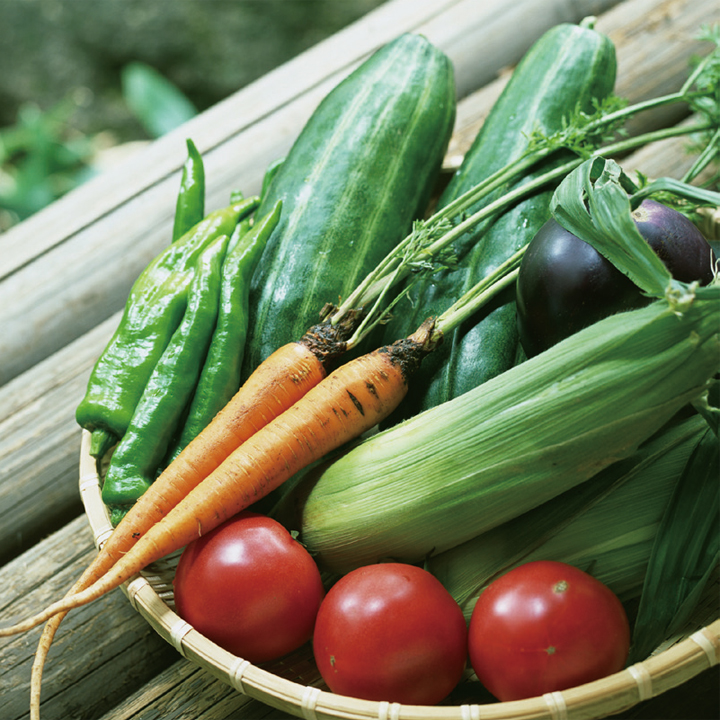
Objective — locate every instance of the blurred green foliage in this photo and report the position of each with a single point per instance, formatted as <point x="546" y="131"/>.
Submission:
<point x="154" y="100"/>
<point x="43" y="156"/>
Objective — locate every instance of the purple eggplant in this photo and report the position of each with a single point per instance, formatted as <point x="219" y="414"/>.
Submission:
<point x="564" y="284"/>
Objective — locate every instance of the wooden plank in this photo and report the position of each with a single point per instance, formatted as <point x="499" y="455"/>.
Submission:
<point x="40" y="441"/>
<point x="102" y="653"/>
<point x="123" y="217"/>
<point x="482" y="39"/>
<point x="664" y="158"/>
<point x="658" y="39"/>
<point x="187" y="691"/>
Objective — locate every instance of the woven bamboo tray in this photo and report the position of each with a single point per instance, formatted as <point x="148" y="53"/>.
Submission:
<point x="294" y="685"/>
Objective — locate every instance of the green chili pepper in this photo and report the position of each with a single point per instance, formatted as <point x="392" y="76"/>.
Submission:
<point x="220" y="378"/>
<point x="190" y="207"/>
<point x="270" y="173"/>
<point x="153" y="311"/>
<point x="135" y="461"/>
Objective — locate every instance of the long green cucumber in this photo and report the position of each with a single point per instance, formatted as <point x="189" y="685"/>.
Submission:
<point x="569" y="65"/>
<point x="362" y="169"/>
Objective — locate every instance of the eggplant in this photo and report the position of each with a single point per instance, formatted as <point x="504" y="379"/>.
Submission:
<point x="564" y="284"/>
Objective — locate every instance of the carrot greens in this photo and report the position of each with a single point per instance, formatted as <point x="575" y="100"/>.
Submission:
<point x="425" y="249"/>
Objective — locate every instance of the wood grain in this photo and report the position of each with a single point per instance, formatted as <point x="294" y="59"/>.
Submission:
<point x="102" y="653"/>
<point x="654" y="39"/>
<point x="39" y="443"/>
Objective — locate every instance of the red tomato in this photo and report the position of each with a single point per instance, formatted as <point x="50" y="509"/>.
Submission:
<point x="390" y="632"/>
<point x="249" y="587"/>
<point x="546" y="626"/>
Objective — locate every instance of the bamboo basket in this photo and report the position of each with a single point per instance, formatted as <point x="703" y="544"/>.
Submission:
<point x="293" y="684"/>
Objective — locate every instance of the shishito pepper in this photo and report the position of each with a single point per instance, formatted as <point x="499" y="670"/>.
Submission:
<point x="220" y="378"/>
<point x="152" y="313"/>
<point x="135" y="460"/>
<point x="190" y="205"/>
<point x="270" y="173"/>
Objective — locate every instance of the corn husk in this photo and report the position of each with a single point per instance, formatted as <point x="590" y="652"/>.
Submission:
<point x="539" y="429"/>
<point x="605" y="526"/>
<point x="686" y="552"/>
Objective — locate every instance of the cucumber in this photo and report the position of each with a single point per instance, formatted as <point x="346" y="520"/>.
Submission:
<point x="362" y="169"/>
<point x="569" y="65"/>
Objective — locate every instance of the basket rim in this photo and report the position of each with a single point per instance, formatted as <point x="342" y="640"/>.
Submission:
<point x="590" y="701"/>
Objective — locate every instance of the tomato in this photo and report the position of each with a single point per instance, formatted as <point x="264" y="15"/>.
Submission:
<point x="390" y="632"/>
<point x="546" y="626"/>
<point x="250" y="587"/>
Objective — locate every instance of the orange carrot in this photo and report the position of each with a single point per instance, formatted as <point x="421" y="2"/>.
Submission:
<point x="275" y="385"/>
<point x="349" y="401"/>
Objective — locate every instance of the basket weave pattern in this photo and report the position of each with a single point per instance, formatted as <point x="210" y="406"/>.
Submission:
<point x="294" y="685"/>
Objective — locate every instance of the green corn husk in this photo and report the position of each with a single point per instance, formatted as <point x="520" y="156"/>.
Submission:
<point x="605" y="526"/>
<point x="526" y="436"/>
<point x="685" y="554"/>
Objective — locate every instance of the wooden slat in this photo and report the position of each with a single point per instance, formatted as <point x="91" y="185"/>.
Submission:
<point x="658" y="39"/>
<point x="185" y="690"/>
<point x="39" y="443"/>
<point x="655" y="40"/>
<point x="121" y="219"/>
<point x="102" y="653"/>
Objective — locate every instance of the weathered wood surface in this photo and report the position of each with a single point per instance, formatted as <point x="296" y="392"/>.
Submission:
<point x="58" y="307"/>
<point x="39" y="443"/>
<point x="654" y="40"/>
<point x="103" y="652"/>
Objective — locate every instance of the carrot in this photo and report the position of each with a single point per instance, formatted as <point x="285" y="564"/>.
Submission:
<point x="349" y="401"/>
<point x="275" y="385"/>
<point x="46" y="639"/>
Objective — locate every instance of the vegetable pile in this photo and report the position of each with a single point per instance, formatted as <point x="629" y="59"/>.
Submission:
<point x="559" y="360"/>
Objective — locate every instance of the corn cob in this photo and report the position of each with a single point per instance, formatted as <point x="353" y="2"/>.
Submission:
<point x="539" y="429"/>
<point x="605" y="526"/>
